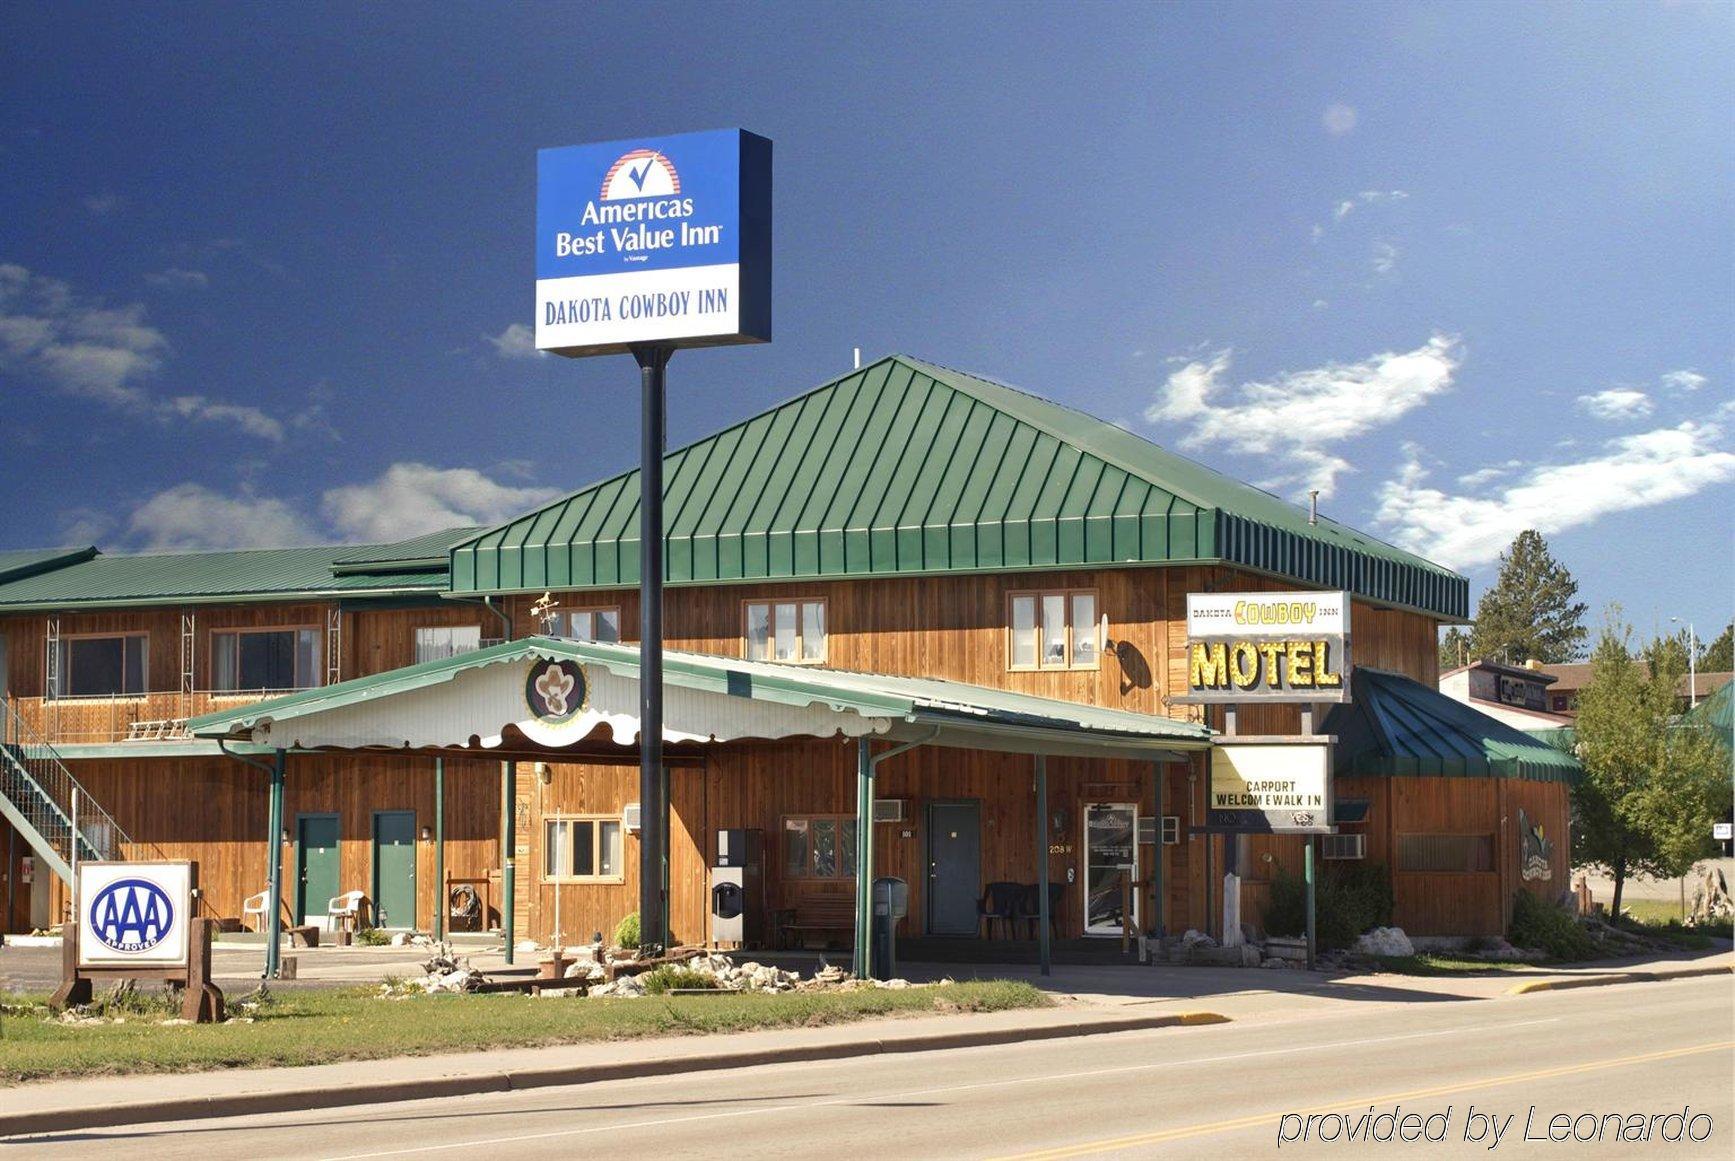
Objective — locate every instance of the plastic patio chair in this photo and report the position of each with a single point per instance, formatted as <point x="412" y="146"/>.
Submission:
<point x="344" y="909"/>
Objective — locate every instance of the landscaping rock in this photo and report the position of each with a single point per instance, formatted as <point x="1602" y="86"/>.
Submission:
<point x="1195" y="938"/>
<point x="1385" y="941"/>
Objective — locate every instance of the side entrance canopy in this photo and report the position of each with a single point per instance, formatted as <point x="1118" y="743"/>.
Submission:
<point x="1401" y="728"/>
<point x="470" y="701"/>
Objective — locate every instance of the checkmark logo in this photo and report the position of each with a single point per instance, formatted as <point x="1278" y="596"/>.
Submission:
<point x="638" y="175"/>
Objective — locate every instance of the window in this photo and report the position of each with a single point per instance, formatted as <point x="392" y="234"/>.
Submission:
<point x="102" y="666"/>
<point x="1053" y="630"/>
<point x="581" y="849"/>
<point x="785" y="631"/>
<point x="1445" y="852"/>
<point x="265" y="659"/>
<point x="594" y="625"/>
<point x="819" y="847"/>
<point x="438" y="642"/>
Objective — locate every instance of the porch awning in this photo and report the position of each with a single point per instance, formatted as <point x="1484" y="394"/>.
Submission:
<point x="1399" y="727"/>
<point x="470" y="700"/>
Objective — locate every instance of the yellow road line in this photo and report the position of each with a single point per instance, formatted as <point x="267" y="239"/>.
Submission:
<point x="1208" y="1127"/>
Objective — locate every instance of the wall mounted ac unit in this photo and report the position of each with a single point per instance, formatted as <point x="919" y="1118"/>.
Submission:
<point x="888" y="810"/>
<point x="630" y="817"/>
<point x="1343" y="846"/>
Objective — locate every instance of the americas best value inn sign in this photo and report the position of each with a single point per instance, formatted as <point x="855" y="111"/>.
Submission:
<point x="1267" y="647"/>
<point x="661" y="240"/>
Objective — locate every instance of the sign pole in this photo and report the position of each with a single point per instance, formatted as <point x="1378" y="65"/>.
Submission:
<point x="274" y="870"/>
<point x="653" y="360"/>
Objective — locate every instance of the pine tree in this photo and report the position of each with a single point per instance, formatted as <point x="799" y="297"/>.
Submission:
<point x="1530" y="612"/>
<point x="1719" y="655"/>
<point x="1651" y="789"/>
<point x="1455" y="650"/>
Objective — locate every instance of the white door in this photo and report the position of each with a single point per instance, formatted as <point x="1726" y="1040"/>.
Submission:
<point x="1111" y="850"/>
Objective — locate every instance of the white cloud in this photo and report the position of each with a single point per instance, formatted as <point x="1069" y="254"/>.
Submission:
<point x="1342" y="211"/>
<point x="408" y="499"/>
<point x="1684" y="380"/>
<point x="251" y="420"/>
<point x="1616" y="403"/>
<point x="102" y="204"/>
<point x="80" y="346"/>
<point x="1385" y="259"/>
<point x="1488" y="475"/>
<point x="1338" y="119"/>
<point x="190" y="517"/>
<point x="1299" y="415"/>
<point x="1366" y="197"/>
<point x="174" y="276"/>
<point x="1632" y="471"/>
<point x="517" y="341"/>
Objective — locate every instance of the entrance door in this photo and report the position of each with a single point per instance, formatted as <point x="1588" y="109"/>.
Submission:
<point x="1110" y="850"/>
<point x="954" y="867"/>
<point x="315" y="865"/>
<point x="394" y="886"/>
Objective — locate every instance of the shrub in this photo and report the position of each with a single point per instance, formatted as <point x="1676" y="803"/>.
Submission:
<point x="1349" y="898"/>
<point x="671" y="977"/>
<point x="1539" y="924"/>
<point x="372" y="937"/>
<point x="626" y="932"/>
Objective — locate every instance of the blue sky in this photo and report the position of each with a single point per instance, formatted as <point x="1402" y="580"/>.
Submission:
<point x="265" y="271"/>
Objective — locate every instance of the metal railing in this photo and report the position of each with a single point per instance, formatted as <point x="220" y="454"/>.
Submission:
<point x="50" y="801"/>
<point x="126" y="717"/>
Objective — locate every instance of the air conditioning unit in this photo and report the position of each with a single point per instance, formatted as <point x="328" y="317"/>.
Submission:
<point x="888" y="810"/>
<point x="630" y="818"/>
<point x="1343" y="846"/>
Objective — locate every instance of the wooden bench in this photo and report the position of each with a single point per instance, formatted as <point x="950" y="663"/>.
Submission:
<point x="826" y="916"/>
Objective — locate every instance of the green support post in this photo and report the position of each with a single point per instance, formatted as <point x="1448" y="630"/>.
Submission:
<point x="860" y="965"/>
<point x="274" y="871"/>
<point x="508" y="844"/>
<point x="440" y="901"/>
<point x="1311" y="842"/>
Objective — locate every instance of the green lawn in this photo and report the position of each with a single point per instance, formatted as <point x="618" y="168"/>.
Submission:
<point x="1430" y="964"/>
<point x="309" y="1027"/>
<point x="1652" y="911"/>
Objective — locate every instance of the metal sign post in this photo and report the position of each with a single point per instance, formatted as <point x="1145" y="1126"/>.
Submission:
<point x="653" y="363"/>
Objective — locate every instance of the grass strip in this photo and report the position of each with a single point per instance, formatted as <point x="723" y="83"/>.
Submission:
<point x="319" y="1027"/>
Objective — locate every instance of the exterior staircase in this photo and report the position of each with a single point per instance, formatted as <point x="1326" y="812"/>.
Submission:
<point x="43" y="801"/>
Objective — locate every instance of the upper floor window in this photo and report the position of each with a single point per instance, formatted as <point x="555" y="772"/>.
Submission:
<point x="594" y="624"/>
<point x="438" y="642"/>
<point x="101" y="666"/>
<point x="784" y="631"/>
<point x="246" y="659"/>
<point x="1053" y="630"/>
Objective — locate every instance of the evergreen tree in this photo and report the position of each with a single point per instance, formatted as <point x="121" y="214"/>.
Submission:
<point x="1454" y="649"/>
<point x="1719" y="655"/>
<point x="1530" y="612"/>
<point x="1651" y="787"/>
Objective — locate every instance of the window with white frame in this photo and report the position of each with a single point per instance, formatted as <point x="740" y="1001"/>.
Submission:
<point x="438" y="642"/>
<point x="260" y="659"/>
<point x="581" y="850"/>
<point x="1056" y="629"/>
<point x="103" y="666"/>
<point x="594" y="624"/>
<point x="784" y="631"/>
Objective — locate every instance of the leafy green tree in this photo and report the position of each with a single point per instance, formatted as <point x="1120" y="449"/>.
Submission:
<point x="1651" y="787"/>
<point x="1530" y="612"/>
<point x="1668" y="651"/>
<point x="1719" y="655"/>
<point x="1454" y="649"/>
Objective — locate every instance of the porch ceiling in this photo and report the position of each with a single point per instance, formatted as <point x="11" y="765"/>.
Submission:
<point x="469" y="700"/>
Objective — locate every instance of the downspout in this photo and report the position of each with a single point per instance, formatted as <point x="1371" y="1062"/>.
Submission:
<point x="274" y="854"/>
<point x="487" y="602"/>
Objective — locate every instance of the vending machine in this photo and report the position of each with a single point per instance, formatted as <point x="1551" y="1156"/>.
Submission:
<point x="738" y="889"/>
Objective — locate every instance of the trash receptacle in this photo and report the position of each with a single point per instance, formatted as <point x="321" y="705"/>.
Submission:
<point x="891" y="902"/>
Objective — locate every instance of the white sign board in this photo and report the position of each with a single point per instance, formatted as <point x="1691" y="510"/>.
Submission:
<point x="1270" y="647"/>
<point x="1257" y="615"/>
<point x="134" y="914"/>
<point x="1271" y="787"/>
<point x="1722" y="831"/>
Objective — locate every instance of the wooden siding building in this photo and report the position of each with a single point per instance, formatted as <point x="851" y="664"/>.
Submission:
<point x="903" y="520"/>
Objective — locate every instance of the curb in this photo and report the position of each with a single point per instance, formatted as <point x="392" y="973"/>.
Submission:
<point x="295" y="1100"/>
<point x="1620" y="978"/>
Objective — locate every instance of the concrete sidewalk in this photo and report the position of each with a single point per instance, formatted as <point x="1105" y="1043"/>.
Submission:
<point x="1090" y="1001"/>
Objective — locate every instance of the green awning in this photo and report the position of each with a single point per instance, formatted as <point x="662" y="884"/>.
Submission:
<point x="1398" y="727"/>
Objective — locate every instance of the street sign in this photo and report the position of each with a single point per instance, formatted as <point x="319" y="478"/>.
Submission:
<point x="1267" y="786"/>
<point x="1267" y="647"/>
<point x="653" y="240"/>
<point x="134" y="914"/>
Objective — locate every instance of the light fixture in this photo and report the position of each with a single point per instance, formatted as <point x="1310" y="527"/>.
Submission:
<point x="427" y="833"/>
<point x="286" y="835"/>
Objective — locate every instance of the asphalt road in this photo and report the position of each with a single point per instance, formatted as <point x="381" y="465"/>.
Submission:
<point x="1194" y="1092"/>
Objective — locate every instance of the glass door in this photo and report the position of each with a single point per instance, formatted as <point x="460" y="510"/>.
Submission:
<point x="1110" y="851"/>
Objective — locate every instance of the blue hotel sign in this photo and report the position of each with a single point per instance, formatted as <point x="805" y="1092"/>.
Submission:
<point x="662" y="240"/>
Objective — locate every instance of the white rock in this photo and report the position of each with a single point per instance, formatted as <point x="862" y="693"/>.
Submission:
<point x="1385" y="941"/>
<point x="1194" y="938"/>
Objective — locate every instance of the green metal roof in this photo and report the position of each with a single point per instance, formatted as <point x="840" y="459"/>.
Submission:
<point x="15" y="564"/>
<point x="962" y="712"/>
<point x="425" y="553"/>
<point x="1399" y="727"/>
<point x="904" y="467"/>
<point x="1716" y="711"/>
<point x="207" y="577"/>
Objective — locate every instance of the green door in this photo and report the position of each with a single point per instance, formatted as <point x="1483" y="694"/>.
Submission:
<point x="315" y="865"/>
<point x="394" y="893"/>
